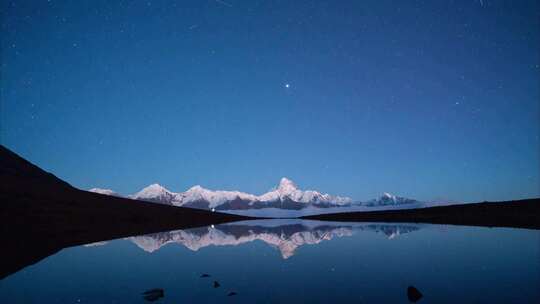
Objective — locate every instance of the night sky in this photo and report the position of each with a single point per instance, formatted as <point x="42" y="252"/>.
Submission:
<point x="424" y="99"/>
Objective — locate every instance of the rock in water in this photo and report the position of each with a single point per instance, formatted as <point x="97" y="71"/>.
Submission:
<point x="413" y="294"/>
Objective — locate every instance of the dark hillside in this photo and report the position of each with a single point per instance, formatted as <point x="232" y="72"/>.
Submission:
<point x="41" y="214"/>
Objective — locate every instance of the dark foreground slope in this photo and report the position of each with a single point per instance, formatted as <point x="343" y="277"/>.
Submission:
<point x="41" y="214"/>
<point x="516" y="214"/>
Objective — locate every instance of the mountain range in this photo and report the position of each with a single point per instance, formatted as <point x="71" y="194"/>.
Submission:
<point x="285" y="196"/>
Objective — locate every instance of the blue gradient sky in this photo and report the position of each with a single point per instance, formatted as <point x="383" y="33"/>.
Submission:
<point x="426" y="99"/>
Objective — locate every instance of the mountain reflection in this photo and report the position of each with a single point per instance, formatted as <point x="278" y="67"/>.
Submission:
<point x="285" y="235"/>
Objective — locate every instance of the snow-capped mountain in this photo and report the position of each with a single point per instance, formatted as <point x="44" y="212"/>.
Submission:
<point x="286" y="196"/>
<point x="104" y="191"/>
<point x="199" y="197"/>
<point x="388" y="199"/>
<point x="288" y="191"/>
<point x="155" y="193"/>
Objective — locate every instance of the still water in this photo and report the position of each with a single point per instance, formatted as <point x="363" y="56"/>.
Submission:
<point x="292" y="261"/>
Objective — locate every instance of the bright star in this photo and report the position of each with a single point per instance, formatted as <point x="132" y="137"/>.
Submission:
<point x="287" y="85"/>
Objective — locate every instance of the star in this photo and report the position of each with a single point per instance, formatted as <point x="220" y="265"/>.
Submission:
<point x="287" y="85"/>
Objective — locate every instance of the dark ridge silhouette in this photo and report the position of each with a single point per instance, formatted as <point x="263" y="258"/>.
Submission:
<point x="413" y="294"/>
<point x="153" y="294"/>
<point x="41" y="214"/>
<point x="513" y="214"/>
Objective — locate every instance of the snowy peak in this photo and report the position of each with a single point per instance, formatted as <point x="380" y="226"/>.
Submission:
<point x="198" y="197"/>
<point x="154" y="193"/>
<point x="388" y="195"/>
<point x="151" y="191"/>
<point x="195" y="192"/>
<point x="104" y="191"/>
<point x="155" y="187"/>
<point x="286" y="186"/>
<point x="387" y="199"/>
<point x="196" y="188"/>
<point x="287" y="191"/>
